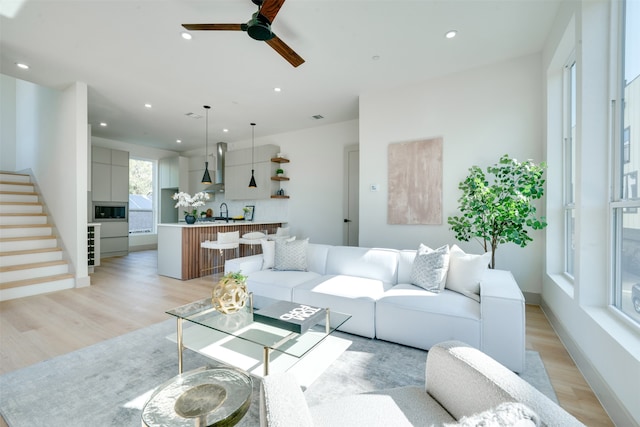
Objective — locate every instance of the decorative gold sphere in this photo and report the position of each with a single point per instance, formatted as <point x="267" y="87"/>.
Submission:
<point x="229" y="295"/>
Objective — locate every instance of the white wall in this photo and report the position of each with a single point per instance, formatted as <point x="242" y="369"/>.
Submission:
<point x="315" y="209"/>
<point x="50" y="139"/>
<point x="605" y="346"/>
<point x="481" y="115"/>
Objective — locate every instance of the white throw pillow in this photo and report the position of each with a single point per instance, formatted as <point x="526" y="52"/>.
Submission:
<point x="254" y="235"/>
<point x="430" y="267"/>
<point x="466" y="271"/>
<point x="291" y="255"/>
<point x="269" y="252"/>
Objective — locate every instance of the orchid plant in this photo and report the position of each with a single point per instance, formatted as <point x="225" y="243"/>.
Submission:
<point x="188" y="202"/>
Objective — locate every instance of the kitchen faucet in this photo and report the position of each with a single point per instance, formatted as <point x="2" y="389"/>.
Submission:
<point x="226" y="211"/>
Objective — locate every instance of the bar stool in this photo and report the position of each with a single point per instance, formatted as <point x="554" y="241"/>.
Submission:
<point x="252" y="240"/>
<point x="226" y="241"/>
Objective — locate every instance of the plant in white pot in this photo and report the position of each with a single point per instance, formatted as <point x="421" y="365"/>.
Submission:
<point x="279" y="172"/>
<point x="500" y="210"/>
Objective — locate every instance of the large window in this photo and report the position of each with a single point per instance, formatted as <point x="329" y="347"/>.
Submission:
<point x="141" y="206"/>
<point x="626" y="200"/>
<point x="569" y="162"/>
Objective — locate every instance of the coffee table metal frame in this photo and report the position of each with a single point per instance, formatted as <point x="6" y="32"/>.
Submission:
<point x="203" y="313"/>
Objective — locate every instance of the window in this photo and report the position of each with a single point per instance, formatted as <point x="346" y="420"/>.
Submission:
<point x="141" y="206"/>
<point x="626" y="201"/>
<point x="569" y="161"/>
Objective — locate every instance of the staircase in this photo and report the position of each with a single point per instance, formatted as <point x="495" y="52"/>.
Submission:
<point x="31" y="262"/>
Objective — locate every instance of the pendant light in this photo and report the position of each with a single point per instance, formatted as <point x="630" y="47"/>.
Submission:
<point x="252" y="183"/>
<point x="206" y="178"/>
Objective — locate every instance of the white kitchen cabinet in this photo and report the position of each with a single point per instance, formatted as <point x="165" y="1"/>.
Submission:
<point x="109" y="175"/>
<point x="101" y="182"/>
<point x="169" y="171"/>
<point x="119" y="183"/>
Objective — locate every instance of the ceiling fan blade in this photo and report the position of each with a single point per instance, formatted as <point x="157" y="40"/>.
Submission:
<point x="285" y="51"/>
<point x="270" y="9"/>
<point x="213" y="27"/>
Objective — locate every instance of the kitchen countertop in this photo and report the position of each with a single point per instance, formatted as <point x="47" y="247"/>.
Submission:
<point x="218" y="223"/>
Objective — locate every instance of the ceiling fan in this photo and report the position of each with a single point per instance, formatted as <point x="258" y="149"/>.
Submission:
<point x="258" y="28"/>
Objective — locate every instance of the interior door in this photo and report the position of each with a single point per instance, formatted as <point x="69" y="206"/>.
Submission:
<point x="352" y="196"/>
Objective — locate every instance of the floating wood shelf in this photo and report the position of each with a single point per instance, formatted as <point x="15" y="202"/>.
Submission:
<point x="279" y="160"/>
<point x="275" y="196"/>
<point x="279" y="178"/>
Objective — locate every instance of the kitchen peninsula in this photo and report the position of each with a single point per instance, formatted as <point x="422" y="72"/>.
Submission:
<point x="179" y="252"/>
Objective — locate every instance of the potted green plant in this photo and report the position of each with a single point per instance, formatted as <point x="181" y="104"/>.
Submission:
<point x="502" y="210"/>
<point x="279" y="172"/>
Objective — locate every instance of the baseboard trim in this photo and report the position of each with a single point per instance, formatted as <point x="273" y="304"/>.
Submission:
<point x="612" y="406"/>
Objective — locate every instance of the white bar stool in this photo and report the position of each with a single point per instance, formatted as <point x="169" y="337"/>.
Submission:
<point x="226" y="241"/>
<point x="252" y="240"/>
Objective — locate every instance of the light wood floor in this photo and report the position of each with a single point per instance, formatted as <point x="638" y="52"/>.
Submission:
<point x="126" y="294"/>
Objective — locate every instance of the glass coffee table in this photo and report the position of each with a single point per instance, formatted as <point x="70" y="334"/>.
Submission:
<point x="242" y="341"/>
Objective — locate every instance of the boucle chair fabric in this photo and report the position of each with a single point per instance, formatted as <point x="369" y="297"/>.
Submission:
<point x="464" y="387"/>
<point x="467" y="381"/>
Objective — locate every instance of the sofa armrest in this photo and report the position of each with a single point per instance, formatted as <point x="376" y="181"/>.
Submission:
<point x="282" y="403"/>
<point x="465" y="381"/>
<point x="247" y="264"/>
<point x="503" y="319"/>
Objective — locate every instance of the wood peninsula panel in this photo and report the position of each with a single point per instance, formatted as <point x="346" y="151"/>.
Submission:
<point x="192" y="259"/>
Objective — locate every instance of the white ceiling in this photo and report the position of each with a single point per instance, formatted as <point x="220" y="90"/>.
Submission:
<point x="130" y="53"/>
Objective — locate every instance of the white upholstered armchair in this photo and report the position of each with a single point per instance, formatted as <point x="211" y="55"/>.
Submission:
<point x="464" y="387"/>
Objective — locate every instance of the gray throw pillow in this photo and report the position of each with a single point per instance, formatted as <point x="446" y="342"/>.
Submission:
<point x="430" y="267"/>
<point x="291" y="255"/>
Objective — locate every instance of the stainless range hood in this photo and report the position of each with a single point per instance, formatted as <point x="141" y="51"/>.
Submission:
<point x="218" y="182"/>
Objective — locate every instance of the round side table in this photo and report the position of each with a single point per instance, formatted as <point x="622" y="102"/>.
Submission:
<point x="200" y="398"/>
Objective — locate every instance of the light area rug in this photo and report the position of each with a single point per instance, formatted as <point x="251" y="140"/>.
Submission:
<point x="107" y="384"/>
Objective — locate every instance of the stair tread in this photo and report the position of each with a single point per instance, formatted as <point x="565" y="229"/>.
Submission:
<point x="25" y="226"/>
<point x="21" y="203"/>
<point x="35" y="281"/>
<point x="17" y="239"/>
<point x="18" y="193"/>
<point x="32" y="265"/>
<point x="23" y="214"/>
<point x="30" y="251"/>
<point x="16" y="183"/>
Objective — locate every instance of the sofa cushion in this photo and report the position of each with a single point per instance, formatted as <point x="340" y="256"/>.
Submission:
<point x="466" y="271"/>
<point x="508" y="414"/>
<point x="429" y="269"/>
<point x="410" y="315"/>
<point x="401" y="406"/>
<point x="291" y="255"/>
<point x="371" y="263"/>
<point x="347" y="294"/>
<point x="278" y="284"/>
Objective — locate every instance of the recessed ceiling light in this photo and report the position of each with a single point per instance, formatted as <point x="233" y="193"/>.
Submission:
<point x="277" y="89"/>
<point x="103" y="124"/>
<point x="225" y="130"/>
<point x="185" y="35"/>
<point x="147" y="105"/>
<point x="450" y="34"/>
<point x="375" y="57"/>
<point x="21" y="65"/>
<point x="179" y="141"/>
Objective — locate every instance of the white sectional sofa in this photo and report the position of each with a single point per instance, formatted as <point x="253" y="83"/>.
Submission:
<point x="374" y="286"/>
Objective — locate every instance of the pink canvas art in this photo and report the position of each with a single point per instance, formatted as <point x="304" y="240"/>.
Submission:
<point x="415" y="182"/>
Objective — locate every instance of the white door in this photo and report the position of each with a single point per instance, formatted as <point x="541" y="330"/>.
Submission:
<point x="352" y="196"/>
